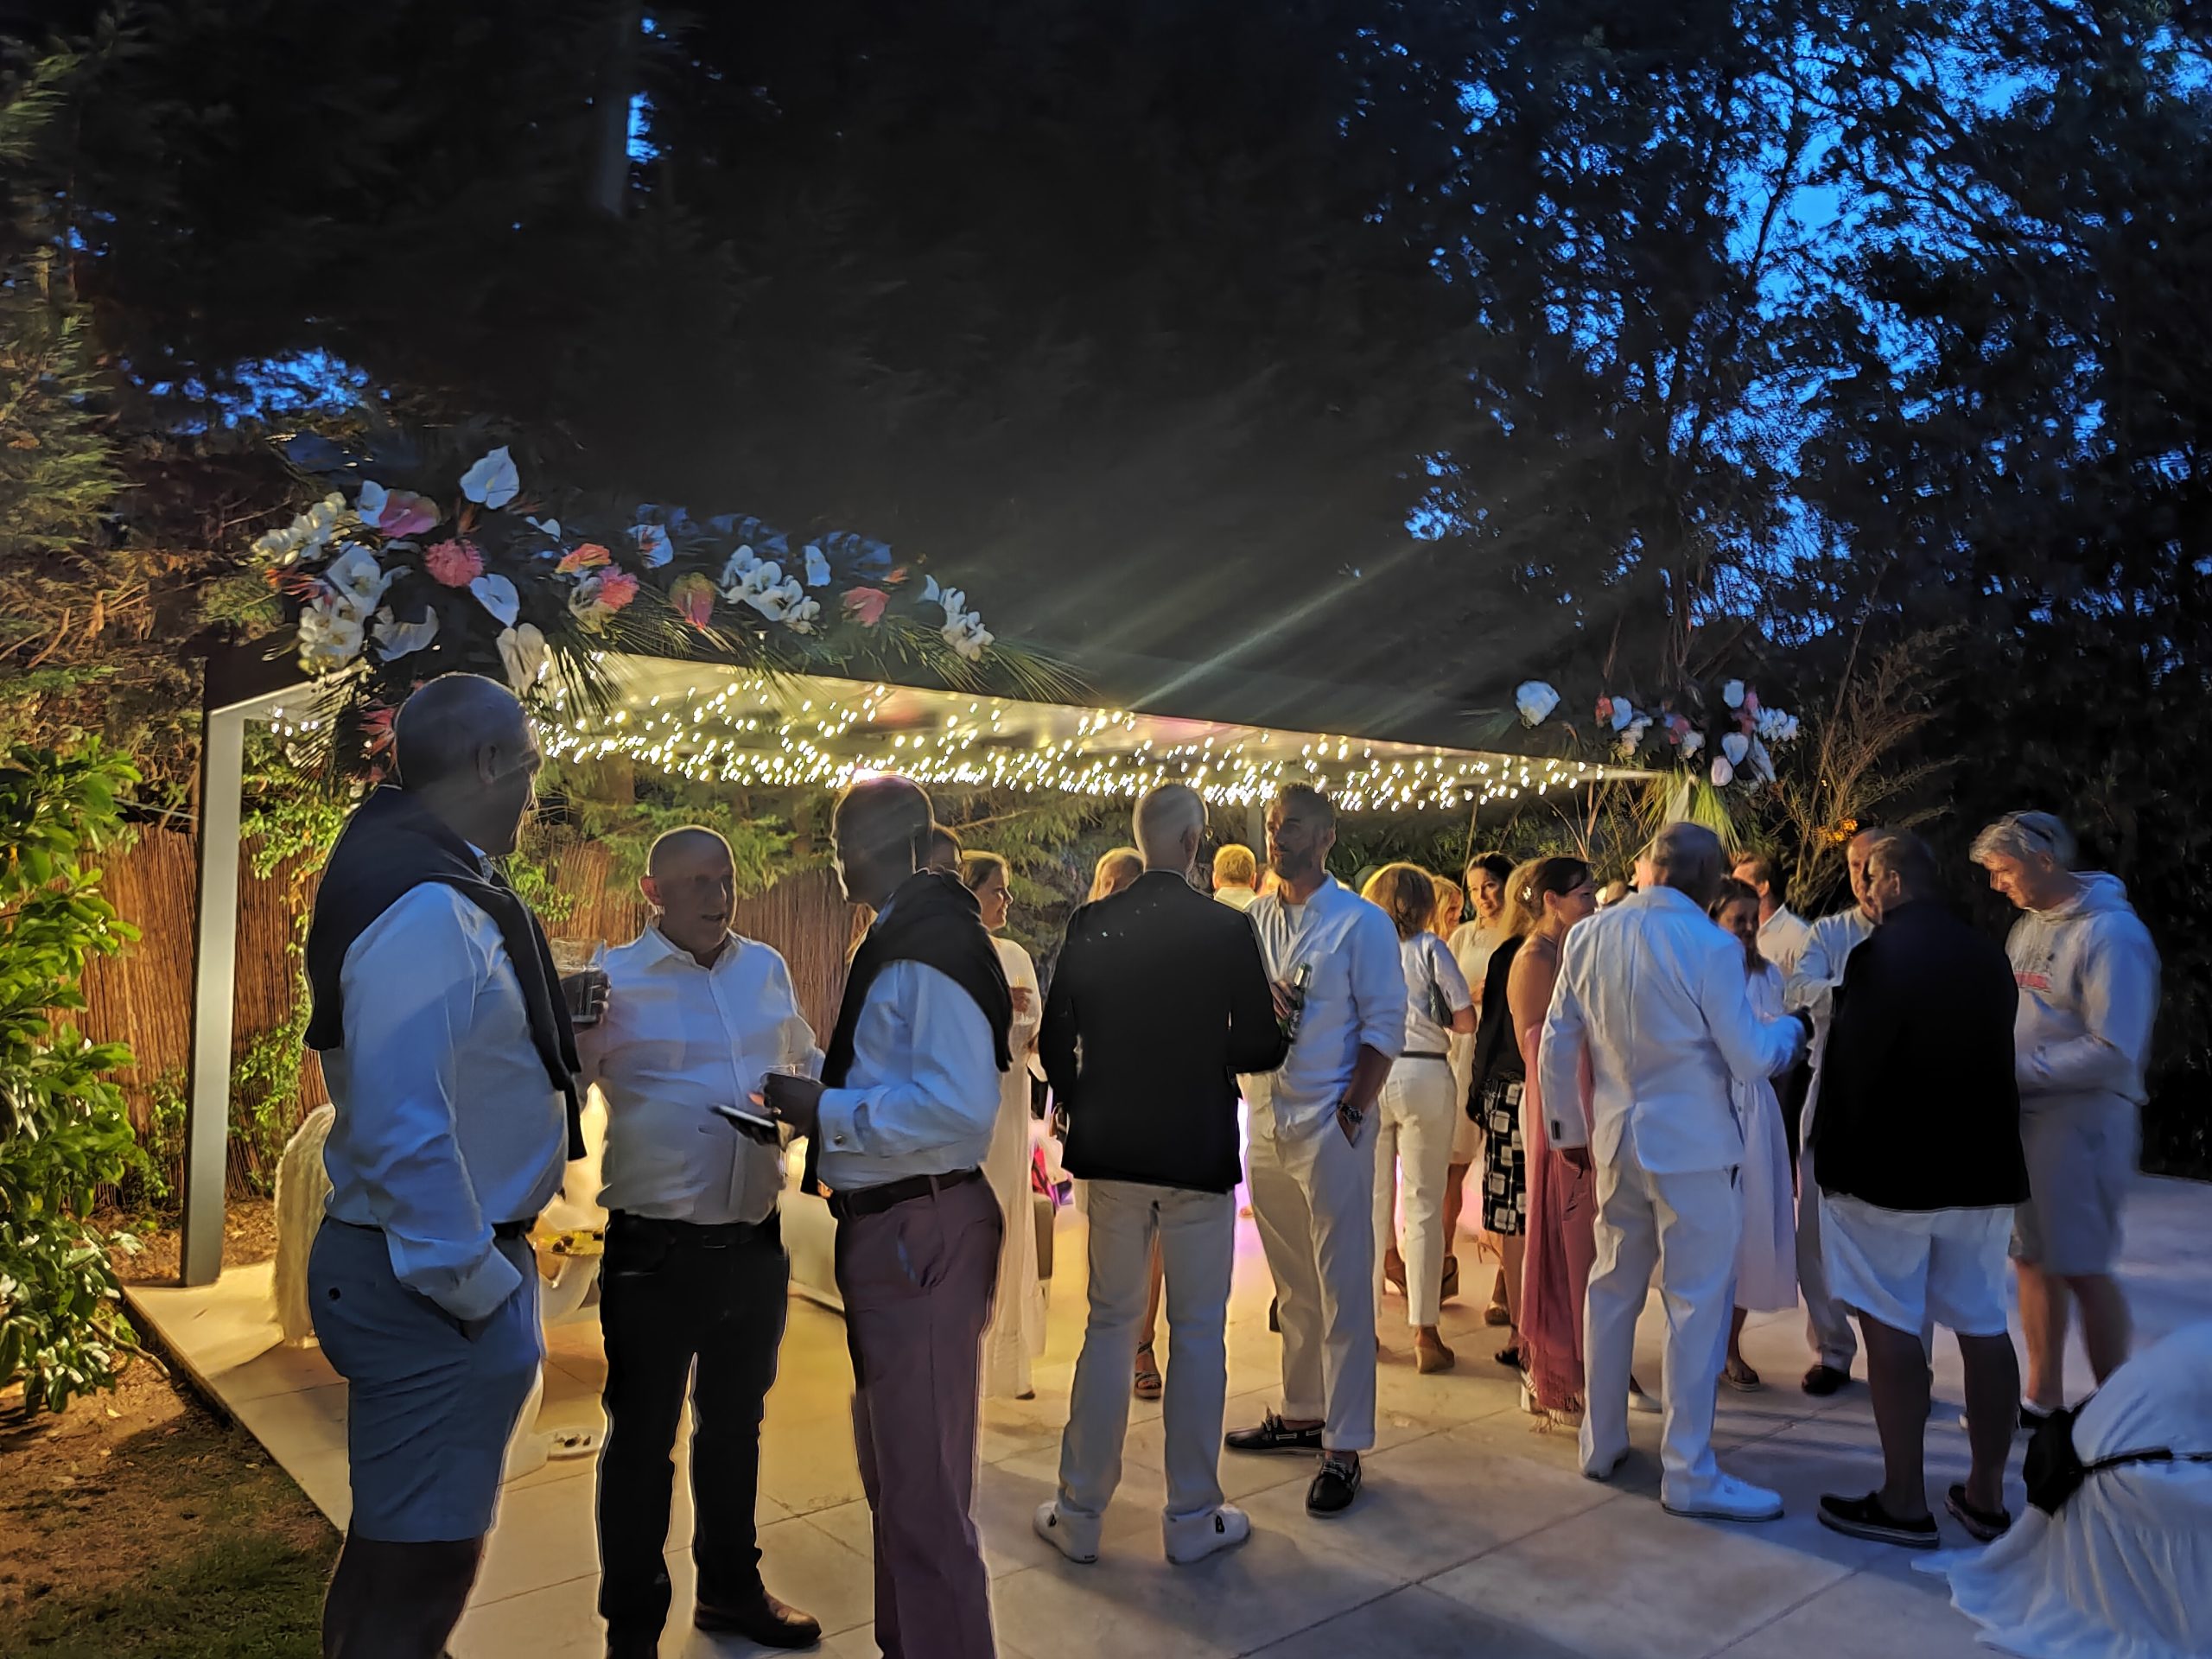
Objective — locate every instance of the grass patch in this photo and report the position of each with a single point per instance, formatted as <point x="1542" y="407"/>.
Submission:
<point x="238" y="1598"/>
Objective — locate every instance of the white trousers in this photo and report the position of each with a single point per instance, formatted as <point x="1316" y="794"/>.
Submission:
<point x="1198" y="1249"/>
<point x="1416" y="1120"/>
<point x="1689" y="1225"/>
<point x="1828" y="1324"/>
<point x="1313" y="1198"/>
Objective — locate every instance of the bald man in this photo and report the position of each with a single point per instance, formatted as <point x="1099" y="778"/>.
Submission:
<point x="694" y="1285"/>
<point x="904" y="1111"/>
<point x="1160" y="997"/>
<point x="448" y="1048"/>
<point x="1652" y="994"/>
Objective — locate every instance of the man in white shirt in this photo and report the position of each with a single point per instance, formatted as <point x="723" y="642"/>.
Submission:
<point x="1235" y="870"/>
<point x="905" y="1109"/>
<point x="1340" y="990"/>
<point x="1811" y="989"/>
<point x="693" y="1288"/>
<point x="1653" y="993"/>
<point x="450" y="1060"/>
<point x="1783" y="932"/>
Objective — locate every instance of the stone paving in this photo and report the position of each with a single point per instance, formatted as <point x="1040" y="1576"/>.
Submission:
<point x="1474" y="1535"/>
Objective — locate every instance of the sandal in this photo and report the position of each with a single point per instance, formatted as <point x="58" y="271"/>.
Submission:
<point x="1148" y="1383"/>
<point x="1738" y="1374"/>
<point x="1393" y="1272"/>
<point x="1509" y="1357"/>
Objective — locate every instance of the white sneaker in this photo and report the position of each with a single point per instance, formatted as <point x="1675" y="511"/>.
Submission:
<point x="1076" y="1540"/>
<point x="1209" y="1534"/>
<point x="1605" y="1466"/>
<point x="1645" y="1404"/>
<point x="1726" y="1499"/>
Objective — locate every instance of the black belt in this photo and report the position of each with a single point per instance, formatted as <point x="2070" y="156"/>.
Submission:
<point x="1424" y="1054"/>
<point x="874" y="1200"/>
<point x="703" y="1235"/>
<point x="500" y="1228"/>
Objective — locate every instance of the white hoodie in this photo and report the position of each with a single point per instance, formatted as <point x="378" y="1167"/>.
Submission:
<point x="2088" y="979"/>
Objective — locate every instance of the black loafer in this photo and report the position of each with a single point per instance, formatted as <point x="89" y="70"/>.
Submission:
<point x="1825" y="1380"/>
<point x="1864" y="1517"/>
<point x="1334" y="1488"/>
<point x="1985" y="1525"/>
<point x="767" y="1622"/>
<point x="1271" y="1436"/>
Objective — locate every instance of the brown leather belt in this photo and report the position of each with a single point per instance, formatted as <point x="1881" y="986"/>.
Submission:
<point x="874" y="1200"/>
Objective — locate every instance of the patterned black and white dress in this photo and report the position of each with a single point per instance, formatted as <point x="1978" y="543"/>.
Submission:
<point x="1499" y="1078"/>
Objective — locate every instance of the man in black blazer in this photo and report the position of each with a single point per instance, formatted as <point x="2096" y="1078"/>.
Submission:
<point x="1158" y="1000"/>
<point x="1917" y="1148"/>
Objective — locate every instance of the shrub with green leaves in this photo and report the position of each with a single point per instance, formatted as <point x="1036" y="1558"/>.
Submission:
<point x="65" y="1129"/>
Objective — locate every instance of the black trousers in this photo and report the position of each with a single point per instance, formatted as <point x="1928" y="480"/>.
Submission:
<point x="696" y="1309"/>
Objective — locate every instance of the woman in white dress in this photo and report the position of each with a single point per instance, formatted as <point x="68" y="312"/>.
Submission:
<point x="1766" y="1261"/>
<point x="1016" y="1333"/>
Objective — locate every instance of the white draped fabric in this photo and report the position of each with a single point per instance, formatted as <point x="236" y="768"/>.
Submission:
<point x="2124" y="1570"/>
<point x="1016" y="1334"/>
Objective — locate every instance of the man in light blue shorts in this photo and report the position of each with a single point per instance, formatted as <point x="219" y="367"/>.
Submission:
<point x="446" y="1043"/>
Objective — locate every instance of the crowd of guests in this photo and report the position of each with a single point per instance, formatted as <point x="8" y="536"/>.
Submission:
<point x="1629" y="1078"/>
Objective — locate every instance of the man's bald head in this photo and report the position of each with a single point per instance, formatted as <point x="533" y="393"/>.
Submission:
<point x="1688" y="858"/>
<point x="681" y="848"/>
<point x="1169" y="820"/>
<point x="440" y="728"/>
<point x="881" y="826"/>
<point x="464" y="749"/>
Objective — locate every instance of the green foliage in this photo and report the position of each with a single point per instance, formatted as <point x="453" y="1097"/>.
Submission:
<point x="65" y="1129"/>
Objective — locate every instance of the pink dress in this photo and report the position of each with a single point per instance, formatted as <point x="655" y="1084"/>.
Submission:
<point x="1561" y="1245"/>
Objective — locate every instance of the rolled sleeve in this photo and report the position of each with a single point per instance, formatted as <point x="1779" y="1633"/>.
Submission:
<point x="1378" y="984"/>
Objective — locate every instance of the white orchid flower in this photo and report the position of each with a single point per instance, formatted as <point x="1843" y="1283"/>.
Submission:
<point x="1692" y="742"/>
<point x="740" y="564"/>
<point x="304" y="536"/>
<point x="803" y="616"/>
<point x="492" y="481"/>
<point x="955" y="601"/>
<point x="653" y="545"/>
<point x="497" y="594"/>
<point x="968" y="636"/>
<point x="395" y="638"/>
<point x="522" y="651"/>
<point x="355" y="575"/>
<point x="1535" y="700"/>
<point x="1735" y="745"/>
<point x="330" y="634"/>
<point x="1632" y="739"/>
<point x="777" y="599"/>
<point x="371" y="498"/>
<point x="1732" y="694"/>
<point x="818" y="568"/>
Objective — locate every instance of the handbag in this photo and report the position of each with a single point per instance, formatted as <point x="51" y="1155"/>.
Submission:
<point x="2055" y="1470"/>
<point x="1440" y="1006"/>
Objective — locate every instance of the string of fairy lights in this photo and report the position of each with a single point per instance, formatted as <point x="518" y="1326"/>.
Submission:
<point x="757" y="734"/>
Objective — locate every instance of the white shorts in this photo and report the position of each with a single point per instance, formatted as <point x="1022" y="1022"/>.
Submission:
<point x="1913" y="1268"/>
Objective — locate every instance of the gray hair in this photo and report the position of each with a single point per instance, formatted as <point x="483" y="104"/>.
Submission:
<point x="2026" y="835"/>
<point x="1688" y="858"/>
<point x="1163" y="815"/>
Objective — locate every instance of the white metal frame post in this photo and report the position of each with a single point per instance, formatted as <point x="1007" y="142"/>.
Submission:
<point x="215" y="975"/>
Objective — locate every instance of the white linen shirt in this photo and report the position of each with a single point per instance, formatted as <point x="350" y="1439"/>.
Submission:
<point x="1654" y="993"/>
<point x="678" y="1041"/>
<point x="1783" y="937"/>
<point x="446" y="1121"/>
<point x="1423" y="959"/>
<point x="1813" y="983"/>
<point x="1357" y="999"/>
<point x="921" y="1096"/>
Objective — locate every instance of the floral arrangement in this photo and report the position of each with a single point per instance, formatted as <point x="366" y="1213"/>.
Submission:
<point x="386" y="586"/>
<point x="1743" y="756"/>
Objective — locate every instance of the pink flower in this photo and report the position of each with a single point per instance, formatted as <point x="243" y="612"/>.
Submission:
<point x="406" y="513"/>
<point x="1750" y="701"/>
<point x="1606" y="709"/>
<point x="865" y="604"/>
<point x="586" y="555"/>
<point x="616" y="589"/>
<point x="1677" y="729"/>
<point x="456" y="563"/>
<point x="693" y="596"/>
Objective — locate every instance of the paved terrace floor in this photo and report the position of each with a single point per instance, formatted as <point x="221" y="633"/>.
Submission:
<point x="1474" y="1535"/>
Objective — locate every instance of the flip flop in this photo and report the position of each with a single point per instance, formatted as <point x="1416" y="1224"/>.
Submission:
<point x="1149" y="1384"/>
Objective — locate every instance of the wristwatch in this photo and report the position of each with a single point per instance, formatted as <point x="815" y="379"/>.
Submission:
<point x="1351" y="1114"/>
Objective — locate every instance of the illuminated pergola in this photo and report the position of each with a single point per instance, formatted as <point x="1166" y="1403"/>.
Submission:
<point x="712" y="724"/>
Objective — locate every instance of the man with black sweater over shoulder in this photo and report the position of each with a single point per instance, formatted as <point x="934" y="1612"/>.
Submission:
<point x="1158" y="1000"/>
